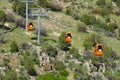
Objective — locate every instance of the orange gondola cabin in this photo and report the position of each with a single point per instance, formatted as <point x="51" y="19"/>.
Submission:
<point x="98" y="50"/>
<point x="68" y="37"/>
<point x="30" y="26"/>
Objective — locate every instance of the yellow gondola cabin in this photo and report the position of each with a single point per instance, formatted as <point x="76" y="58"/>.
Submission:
<point x="68" y="37"/>
<point x="98" y="50"/>
<point x="30" y="26"/>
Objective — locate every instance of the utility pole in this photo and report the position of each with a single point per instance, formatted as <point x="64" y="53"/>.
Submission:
<point x="26" y="10"/>
<point x="41" y="13"/>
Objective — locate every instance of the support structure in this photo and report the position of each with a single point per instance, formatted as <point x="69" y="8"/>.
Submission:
<point x="38" y="15"/>
<point x="38" y="29"/>
<point x="27" y="10"/>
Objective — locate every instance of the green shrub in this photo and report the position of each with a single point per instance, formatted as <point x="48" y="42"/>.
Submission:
<point x="42" y="3"/>
<point x="3" y="50"/>
<point x="2" y="17"/>
<point x="59" y="66"/>
<point x="25" y="54"/>
<point x="88" y="19"/>
<point x="117" y="75"/>
<point x="76" y="15"/>
<point x="108" y="52"/>
<point x="6" y="61"/>
<point x="10" y="75"/>
<point x="29" y="65"/>
<point x="74" y="52"/>
<point x="19" y="8"/>
<point x="14" y="47"/>
<point x="102" y="11"/>
<point x="51" y="51"/>
<point x="104" y="4"/>
<point x="108" y="72"/>
<point x="23" y="78"/>
<point x="64" y="73"/>
<point x="49" y="4"/>
<point x="100" y="3"/>
<point x="51" y="76"/>
<point x="29" y="61"/>
<point x="68" y="11"/>
<point x="117" y="2"/>
<point x="109" y="5"/>
<point x="91" y="20"/>
<point x="2" y="14"/>
<point x="1" y="77"/>
<point x="101" y="24"/>
<point x="111" y="26"/>
<point x="88" y="42"/>
<point x="82" y="76"/>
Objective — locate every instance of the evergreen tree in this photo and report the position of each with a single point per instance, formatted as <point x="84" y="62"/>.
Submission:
<point x="14" y="47"/>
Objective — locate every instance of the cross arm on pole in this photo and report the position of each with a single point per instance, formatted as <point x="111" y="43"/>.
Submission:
<point x="38" y="15"/>
<point x="27" y="0"/>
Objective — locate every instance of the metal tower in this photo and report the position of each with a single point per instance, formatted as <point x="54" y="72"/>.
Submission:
<point x="26" y="10"/>
<point x="40" y="13"/>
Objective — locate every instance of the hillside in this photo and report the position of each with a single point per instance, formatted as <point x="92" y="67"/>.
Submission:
<point x="22" y="58"/>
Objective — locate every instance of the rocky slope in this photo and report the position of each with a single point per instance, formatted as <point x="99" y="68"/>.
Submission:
<point x="21" y="58"/>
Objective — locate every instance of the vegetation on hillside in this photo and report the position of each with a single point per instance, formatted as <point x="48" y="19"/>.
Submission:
<point x="2" y="17"/>
<point x="89" y="21"/>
